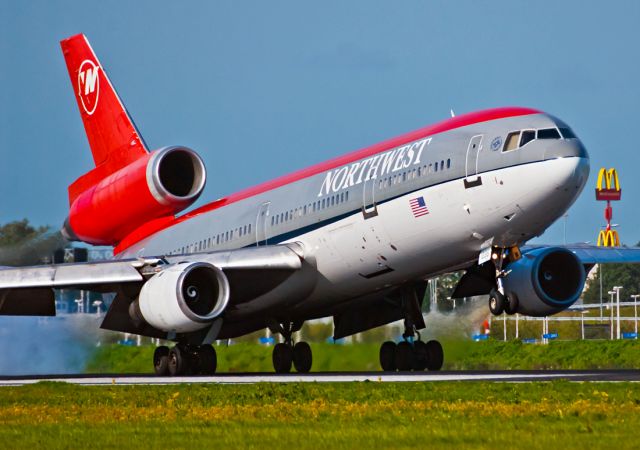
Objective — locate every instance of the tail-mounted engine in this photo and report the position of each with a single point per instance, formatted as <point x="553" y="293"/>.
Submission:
<point x="544" y="281"/>
<point x="158" y="184"/>
<point x="182" y="298"/>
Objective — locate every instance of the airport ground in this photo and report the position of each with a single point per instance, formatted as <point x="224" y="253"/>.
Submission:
<point x="459" y="355"/>
<point x="328" y="415"/>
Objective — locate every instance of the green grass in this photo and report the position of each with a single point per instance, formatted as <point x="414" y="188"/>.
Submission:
<point x="459" y="355"/>
<point x="308" y="415"/>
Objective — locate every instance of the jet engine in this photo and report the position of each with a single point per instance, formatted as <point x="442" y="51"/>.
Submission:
<point x="185" y="297"/>
<point x="544" y="281"/>
<point x="158" y="184"/>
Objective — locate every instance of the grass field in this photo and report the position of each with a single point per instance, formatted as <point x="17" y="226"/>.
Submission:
<point x="459" y="355"/>
<point x="354" y="415"/>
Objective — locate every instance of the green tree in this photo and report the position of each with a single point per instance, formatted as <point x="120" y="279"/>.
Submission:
<point x="23" y="244"/>
<point x="625" y="275"/>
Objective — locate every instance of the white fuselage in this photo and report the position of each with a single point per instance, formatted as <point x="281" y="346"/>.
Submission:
<point x="364" y="237"/>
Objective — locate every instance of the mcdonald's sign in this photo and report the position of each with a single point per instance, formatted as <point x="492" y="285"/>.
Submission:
<point x="608" y="238"/>
<point x="608" y="187"/>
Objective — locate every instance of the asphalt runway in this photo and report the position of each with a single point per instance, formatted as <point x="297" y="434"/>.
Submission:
<point x="520" y="376"/>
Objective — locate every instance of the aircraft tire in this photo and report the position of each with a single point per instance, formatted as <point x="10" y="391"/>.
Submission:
<point x="177" y="362"/>
<point x="282" y="357"/>
<point x="302" y="357"/>
<point x="388" y="356"/>
<point x="436" y="355"/>
<point x="207" y="360"/>
<point x="404" y="356"/>
<point x="496" y="303"/>
<point x="420" y="355"/>
<point x="161" y="361"/>
<point x="511" y="304"/>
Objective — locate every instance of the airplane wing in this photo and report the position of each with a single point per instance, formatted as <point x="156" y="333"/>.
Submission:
<point x="590" y="254"/>
<point x="29" y="290"/>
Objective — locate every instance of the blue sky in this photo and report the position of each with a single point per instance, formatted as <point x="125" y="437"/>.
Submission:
<point x="260" y="88"/>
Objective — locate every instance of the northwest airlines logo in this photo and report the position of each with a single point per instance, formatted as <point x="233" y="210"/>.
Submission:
<point x="88" y="85"/>
<point x="375" y="167"/>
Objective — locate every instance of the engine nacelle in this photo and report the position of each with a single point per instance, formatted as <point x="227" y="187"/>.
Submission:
<point x="182" y="298"/>
<point x="545" y="281"/>
<point x="161" y="183"/>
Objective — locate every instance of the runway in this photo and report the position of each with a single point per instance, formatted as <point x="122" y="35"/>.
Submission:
<point x="521" y="376"/>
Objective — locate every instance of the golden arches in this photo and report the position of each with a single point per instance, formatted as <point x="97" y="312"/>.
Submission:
<point x="608" y="238"/>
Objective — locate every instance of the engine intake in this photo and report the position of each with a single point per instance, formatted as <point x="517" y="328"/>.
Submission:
<point x="545" y="281"/>
<point x="175" y="175"/>
<point x="158" y="184"/>
<point x="182" y="298"/>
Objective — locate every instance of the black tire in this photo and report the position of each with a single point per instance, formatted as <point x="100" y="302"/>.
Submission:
<point x="388" y="356"/>
<point x="420" y="355"/>
<point x="302" y="357"/>
<point x="496" y="303"/>
<point x="161" y="361"/>
<point x="404" y="356"/>
<point x="207" y="360"/>
<point x="436" y="355"/>
<point x="511" y="304"/>
<point x="282" y="357"/>
<point x="177" y="361"/>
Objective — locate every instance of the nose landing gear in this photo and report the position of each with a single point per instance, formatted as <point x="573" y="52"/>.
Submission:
<point x="499" y="302"/>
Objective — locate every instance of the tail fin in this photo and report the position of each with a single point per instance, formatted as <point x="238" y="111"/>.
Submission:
<point x="113" y="137"/>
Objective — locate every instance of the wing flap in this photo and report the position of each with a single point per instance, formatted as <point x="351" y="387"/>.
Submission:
<point x="66" y="275"/>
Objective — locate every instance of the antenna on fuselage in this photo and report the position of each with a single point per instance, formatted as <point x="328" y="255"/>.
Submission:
<point x="452" y="113"/>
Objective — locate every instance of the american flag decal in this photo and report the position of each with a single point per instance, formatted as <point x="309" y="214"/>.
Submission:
<point x="418" y="207"/>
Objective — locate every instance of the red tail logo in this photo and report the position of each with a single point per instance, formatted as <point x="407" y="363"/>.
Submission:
<point x="88" y="85"/>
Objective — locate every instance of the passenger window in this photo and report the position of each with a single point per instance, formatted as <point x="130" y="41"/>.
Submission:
<point x="436" y="166"/>
<point x="346" y="196"/>
<point x="512" y="141"/>
<point x="548" y="133"/>
<point x="448" y="163"/>
<point x="527" y="136"/>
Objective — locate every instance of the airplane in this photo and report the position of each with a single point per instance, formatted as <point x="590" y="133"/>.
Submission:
<point x="353" y="238"/>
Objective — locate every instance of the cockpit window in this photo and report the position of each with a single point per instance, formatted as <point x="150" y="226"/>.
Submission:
<point x="548" y="133"/>
<point x="567" y="133"/>
<point x="527" y="136"/>
<point x="511" y="143"/>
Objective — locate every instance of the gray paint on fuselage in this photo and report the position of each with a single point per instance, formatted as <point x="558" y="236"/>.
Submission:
<point x="450" y="145"/>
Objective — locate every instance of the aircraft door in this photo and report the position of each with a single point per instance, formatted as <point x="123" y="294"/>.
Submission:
<point x="262" y="220"/>
<point x="369" y="207"/>
<point x="472" y="179"/>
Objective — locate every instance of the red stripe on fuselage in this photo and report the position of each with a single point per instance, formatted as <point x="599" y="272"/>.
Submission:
<point x="447" y="125"/>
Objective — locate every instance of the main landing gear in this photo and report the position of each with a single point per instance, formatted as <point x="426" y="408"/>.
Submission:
<point x="411" y="353"/>
<point x="499" y="302"/>
<point x="286" y="354"/>
<point x="185" y="360"/>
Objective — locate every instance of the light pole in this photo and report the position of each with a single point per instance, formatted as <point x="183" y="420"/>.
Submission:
<point x="566" y="216"/>
<point x="635" y="314"/>
<point x="611" y="293"/>
<point x="583" y="312"/>
<point x="617" y="289"/>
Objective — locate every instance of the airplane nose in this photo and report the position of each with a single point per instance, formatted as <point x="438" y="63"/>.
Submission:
<point x="566" y="148"/>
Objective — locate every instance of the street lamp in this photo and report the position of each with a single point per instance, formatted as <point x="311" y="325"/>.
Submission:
<point x="611" y="293"/>
<point x="617" y="289"/>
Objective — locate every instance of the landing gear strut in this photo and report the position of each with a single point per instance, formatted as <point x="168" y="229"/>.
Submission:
<point x="185" y="360"/>
<point x="286" y="354"/>
<point x="411" y="353"/>
<point x="499" y="302"/>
